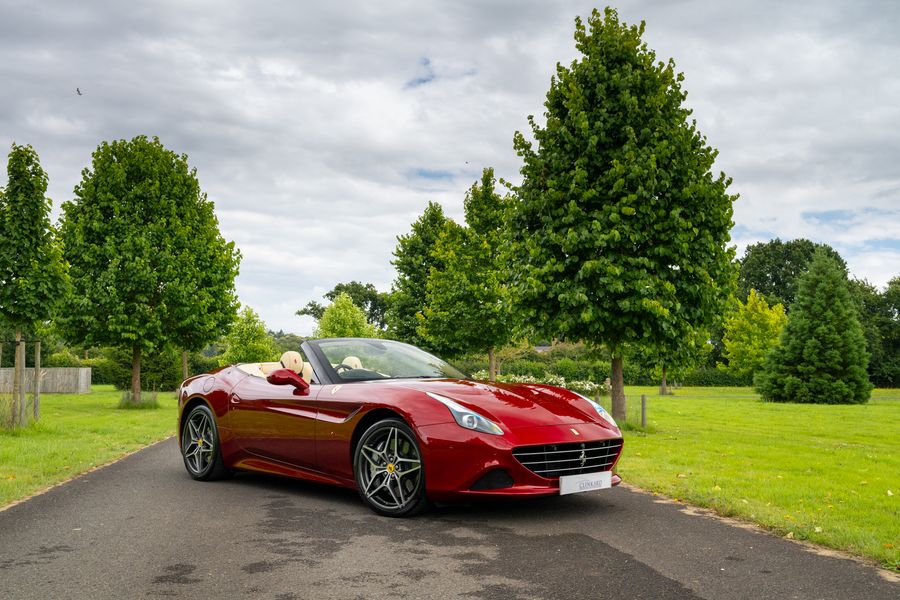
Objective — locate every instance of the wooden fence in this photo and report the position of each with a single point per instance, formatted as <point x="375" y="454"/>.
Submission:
<point x="55" y="380"/>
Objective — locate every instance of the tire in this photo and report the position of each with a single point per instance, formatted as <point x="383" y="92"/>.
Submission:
<point x="200" y="446"/>
<point x="390" y="473"/>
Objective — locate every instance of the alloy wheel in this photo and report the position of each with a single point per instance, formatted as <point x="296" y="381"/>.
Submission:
<point x="390" y="469"/>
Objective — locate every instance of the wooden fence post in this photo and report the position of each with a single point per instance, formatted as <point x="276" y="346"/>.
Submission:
<point x="19" y="383"/>
<point x="37" y="380"/>
<point x="644" y="410"/>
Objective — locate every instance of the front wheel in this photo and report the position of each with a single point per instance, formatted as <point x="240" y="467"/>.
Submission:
<point x="389" y="470"/>
<point x="200" y="445"/>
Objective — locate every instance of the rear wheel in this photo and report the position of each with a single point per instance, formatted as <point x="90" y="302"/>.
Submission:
<point x="200" y="445"/>
<point x="389" y="471"/>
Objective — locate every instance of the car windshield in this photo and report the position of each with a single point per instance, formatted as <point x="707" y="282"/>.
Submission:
<point x="358" y="359"/>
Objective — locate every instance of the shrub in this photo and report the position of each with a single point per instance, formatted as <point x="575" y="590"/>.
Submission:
<point x="524" y="367"/>
<point x="713" y="377"/>
<point x="63" y="358"/>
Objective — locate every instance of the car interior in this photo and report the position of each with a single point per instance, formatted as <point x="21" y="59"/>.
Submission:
<point x="289" y="360"/>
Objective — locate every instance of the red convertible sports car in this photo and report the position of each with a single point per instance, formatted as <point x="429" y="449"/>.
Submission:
<point x="399" y="425"/>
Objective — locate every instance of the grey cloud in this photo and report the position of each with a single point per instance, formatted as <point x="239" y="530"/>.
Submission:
<point x="305" y="133"/>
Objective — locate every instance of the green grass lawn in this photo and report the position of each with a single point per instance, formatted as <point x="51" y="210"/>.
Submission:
<point x="75" y="434"/>
<point x="827" y="474"/>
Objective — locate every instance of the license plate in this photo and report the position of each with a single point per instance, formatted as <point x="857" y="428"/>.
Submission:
<point x="573" y="484"/>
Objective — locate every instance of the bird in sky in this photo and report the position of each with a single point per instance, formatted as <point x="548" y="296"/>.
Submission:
<point x="78" y="91"/>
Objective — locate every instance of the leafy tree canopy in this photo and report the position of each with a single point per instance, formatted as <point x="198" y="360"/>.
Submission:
<point x="467" y="300"/>
<point x="879" y="316"/>
<point x="148" y="264"/>
<point x="364" y="295"/>
<point x="751" y="331"/>
<point x="821" y="357"/>
<point x="33" y="274"/>
<point x="773" y="268"/>
<point x="343" y="318"/>
<point x="621" y="230"/>
<point x="286" y="341"/>
<point x="248" y="341"/>
<point x="414" y="259"/>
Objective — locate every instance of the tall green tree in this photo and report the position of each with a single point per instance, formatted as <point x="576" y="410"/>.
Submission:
<point x="773" y="268"/>
<point x="822" y="355"/>
<point x="248" y="341"/>
<point x="364" y="295"/>
<point x="751" y="331"/>
<point x="32" y="271"/>
<point x="467" y="298"/>
<point x="343" y="318"/>
<point x="414" y="259"/>
<point x="890" y="335"/>
<point x="149" y="266"/>
<point x="879" y="317"/>
<point x="205" y="301"/>
<point x="621" y="230"/>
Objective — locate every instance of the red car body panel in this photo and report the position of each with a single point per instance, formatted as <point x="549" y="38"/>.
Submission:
<point x="275" y="429"/>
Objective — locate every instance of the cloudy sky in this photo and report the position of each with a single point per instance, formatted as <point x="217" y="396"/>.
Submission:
<point x="321" y="130"/>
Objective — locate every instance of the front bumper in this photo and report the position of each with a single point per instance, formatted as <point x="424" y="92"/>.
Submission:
<point x="456" y="459"/>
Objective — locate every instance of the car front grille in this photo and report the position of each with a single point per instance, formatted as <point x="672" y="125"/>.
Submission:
<point x="553" y="460"/>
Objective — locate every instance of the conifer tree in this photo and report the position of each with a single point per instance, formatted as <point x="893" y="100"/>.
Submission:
<point x="822" y="356"/>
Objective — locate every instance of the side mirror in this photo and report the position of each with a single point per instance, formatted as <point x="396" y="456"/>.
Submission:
<point x="288" y="377"/>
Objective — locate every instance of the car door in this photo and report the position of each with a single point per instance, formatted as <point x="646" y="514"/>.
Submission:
<point x="274" y="422"/>
<point x="338" y="405"/>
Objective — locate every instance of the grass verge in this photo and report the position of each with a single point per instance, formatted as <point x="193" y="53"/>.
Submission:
<point x="826" y="474"/>
<point x="76" y="433"/>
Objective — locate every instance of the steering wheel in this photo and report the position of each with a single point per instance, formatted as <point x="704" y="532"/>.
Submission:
<point x="342" y="367"/>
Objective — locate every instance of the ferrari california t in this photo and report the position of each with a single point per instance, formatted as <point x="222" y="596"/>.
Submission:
<point x="399" y="425"/>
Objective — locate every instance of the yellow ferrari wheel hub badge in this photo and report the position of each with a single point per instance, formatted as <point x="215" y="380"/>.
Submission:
<point x="199" y="442"/>
<point x="390" y="468"/>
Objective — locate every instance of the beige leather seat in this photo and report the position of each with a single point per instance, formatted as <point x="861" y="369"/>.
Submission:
<point x="289" y="360"/>
<point x="353" y="362"/>
<point x="294" y="361"/>
<point x="267" y="367"/>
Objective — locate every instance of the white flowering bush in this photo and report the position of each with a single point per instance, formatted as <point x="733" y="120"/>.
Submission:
<point x="589" y="388"/>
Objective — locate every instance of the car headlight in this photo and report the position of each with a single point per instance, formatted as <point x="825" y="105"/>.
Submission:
<point x="600" y="410"/>
<point x="466" y="418"/>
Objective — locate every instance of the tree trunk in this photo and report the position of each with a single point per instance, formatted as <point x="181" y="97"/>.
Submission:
<point x="492" y="365"/>
<point x="184" y="365"/>
<point x="37" y="380"/>
<point x="618" y="390"/>
<point x="136" y="375"/>
<point x="17" y="381"/>
<point x="663" y="387"/>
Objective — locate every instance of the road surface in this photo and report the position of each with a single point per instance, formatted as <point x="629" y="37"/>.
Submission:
<point x="141" y="528"/>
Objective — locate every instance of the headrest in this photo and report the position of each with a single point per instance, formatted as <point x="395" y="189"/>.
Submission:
<point x="353" y="362"/>
<point x="293" y="361"/>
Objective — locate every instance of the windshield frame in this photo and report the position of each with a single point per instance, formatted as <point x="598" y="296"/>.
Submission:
<point x="327" y="374"/>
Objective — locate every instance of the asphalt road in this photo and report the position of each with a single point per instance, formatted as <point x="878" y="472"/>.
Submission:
<point x="141" y="528"/>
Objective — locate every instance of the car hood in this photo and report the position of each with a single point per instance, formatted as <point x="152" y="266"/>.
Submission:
<point x="516" y="405"/>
